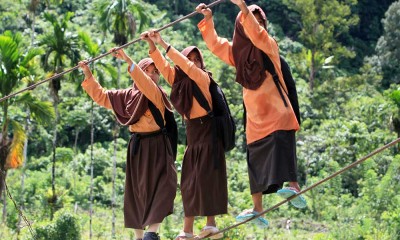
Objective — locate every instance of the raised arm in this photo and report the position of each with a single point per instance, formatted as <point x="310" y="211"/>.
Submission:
<point x="220" y="47"/>
<point x="196" y="74"/>
<point x="161" y="63"/>
<point x="143" y="82"/>
<point x="93" y="88"/>
<point x="255" y="32"/>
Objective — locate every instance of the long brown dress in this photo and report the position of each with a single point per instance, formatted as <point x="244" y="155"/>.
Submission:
<point x="203" y="185"/>
<point x="150" y="184"/>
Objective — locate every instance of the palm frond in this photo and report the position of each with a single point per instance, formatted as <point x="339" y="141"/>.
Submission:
<point x="15" y="155"/>
<point x="140" y="11"/>
<point x="8" y="53"/>
<point x="89" y="46"/>
<point x="41" y="111"/>
<point x="33" y="52"/>
<point x="9" y="56"/>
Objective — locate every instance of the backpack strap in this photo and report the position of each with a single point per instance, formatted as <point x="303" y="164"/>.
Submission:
<point x="201" y="99"/>
<point x="157" y="117"/>
<point x="291" y="88"/>
<point x="269" y="66"/>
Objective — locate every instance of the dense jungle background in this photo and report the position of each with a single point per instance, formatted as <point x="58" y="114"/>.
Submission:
<point x="63" y="157"/>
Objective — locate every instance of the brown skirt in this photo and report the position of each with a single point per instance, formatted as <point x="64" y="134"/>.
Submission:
<point x="203" y="183"/>
<point x="150" y="184"/>
<point x="272" y="161"/>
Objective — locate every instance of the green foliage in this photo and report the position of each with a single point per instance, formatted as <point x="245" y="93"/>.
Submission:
<point x="66" y="226"/>
<point x="321" y="24"/>
<point x="387" y="46"/>
<point x="395" y="96"/>
<point x="41" y="112"/>
<point x="345" y="117"/>
<point x="119" y="17"/>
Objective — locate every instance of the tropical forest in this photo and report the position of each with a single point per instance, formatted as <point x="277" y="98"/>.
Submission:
<point x="63" y="157"/>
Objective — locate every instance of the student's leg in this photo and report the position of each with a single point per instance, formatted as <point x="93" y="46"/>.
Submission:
<point x="154" y="227"/>
<point x="151" y="233"/>
<point x="187" y="232"/>
<point x="139" y="233"/>
<point x="211" y="221"/>
<point x="295" y="185"/>
<point x="188" y="224"/>
<point x="257" y="201"/>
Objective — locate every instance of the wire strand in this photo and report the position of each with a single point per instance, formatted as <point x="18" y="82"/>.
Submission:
<point x="376" y="151"/>
<point x="20" y="213"/>
<point x="105" y="54"/>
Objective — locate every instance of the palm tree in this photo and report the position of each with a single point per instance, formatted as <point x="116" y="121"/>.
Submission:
<point x="32" y="7"/>
<point x="119" y="18"/>
<point x="60" y="45"/>
<point x="16" y="67"/>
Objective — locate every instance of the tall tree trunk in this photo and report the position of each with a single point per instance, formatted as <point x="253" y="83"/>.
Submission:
<point x="53" y="199"/>
<point x="116" y="133"/>
<point x="25" y="157"/>
<point x="3" y="184"/>
<point x="33" y="29"/>
<point x="91" y="166"/>
<point x="312" y="72"/>
<point x="3" y="149"/>
<point x="77" y="130"/>
<point x="113" y="199"/>
<point x="176" y="5"/>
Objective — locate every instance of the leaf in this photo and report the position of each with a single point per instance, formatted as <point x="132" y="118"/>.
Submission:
<point x="42" y="112"/>
<point x="328" y="67"/>
<point x="89" y="46"/>
<point x="395" y="96"/>
<point x="328" y="59"/>
<point x="15" y="155"/>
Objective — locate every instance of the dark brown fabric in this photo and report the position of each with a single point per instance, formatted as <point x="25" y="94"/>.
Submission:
<point x="203" y="187"/>
<point x="130" y="104"/>
<point x="272" y="161"/>
<point x="181" y="92"/>
<point x="250" y="72"/>
<point x="151" y="181"/>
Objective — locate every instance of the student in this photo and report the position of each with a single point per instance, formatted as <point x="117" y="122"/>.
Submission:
<point x="151" y="181"/>
<point x="203" y="180"/>
<point x="271" y="122"/>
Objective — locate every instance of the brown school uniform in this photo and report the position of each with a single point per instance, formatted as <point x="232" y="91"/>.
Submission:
<point x="203" y="186"/>
<point x="150" y="184"/>
<point x="270" y="125"/>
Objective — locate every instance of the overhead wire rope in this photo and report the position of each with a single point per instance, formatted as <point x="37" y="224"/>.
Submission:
<point x="105" y="54"/>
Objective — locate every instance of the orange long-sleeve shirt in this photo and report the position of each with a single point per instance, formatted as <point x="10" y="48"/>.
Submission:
<point x="196" y="74"/>
<point x="144" y="83"/>
<point x="266" y="112"/>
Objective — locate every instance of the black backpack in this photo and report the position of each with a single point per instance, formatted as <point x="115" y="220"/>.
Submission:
<point x="170" y="129"/>
<point x="289" y="82"/>
<point x="225" y="124"/>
